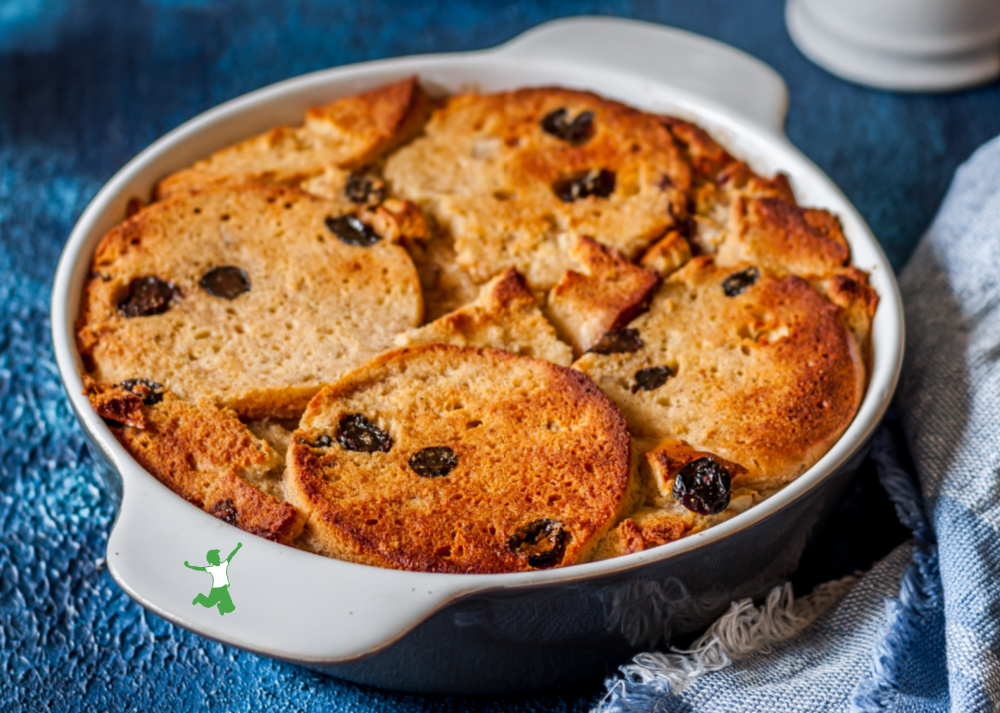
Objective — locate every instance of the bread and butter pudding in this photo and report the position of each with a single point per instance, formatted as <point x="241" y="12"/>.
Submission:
<point x="480" y="333"/>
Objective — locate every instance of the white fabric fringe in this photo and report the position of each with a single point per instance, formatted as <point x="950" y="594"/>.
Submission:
<point x="743" y="629"/>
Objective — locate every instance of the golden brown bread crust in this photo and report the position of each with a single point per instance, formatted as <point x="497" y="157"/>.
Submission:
<point x="489" y="173"/>
<point x="532" y="442"/>
<point x="849" y="289"/>
<point x="769" y="377"/>
<point x="742" y="217"/>
<point x="584" y="306"/>
<point x="782" y="237"/>
<point x="668" y="254"/>
<point x="706" y="157"/>
<point x="202" y="453"/>
<point x="505" y="316"/>
<point x="660" y="517"/>
<point x="739" y="216"/>
<point x="315" y="308"/>
<point x="335" y="138"/>
<point x="375" y="122"/>
<point x="766" y="378"/>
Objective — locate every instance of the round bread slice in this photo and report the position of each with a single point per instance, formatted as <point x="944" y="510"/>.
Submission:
<point x="346" y="134"/>
<point x="759" y="369"/>
<point x="252" y="297"/>
<point x="513" y="175"/>
<point x="457" y="459"/>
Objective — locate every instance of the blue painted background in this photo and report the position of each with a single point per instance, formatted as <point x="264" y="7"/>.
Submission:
<point x="86" y="85"/>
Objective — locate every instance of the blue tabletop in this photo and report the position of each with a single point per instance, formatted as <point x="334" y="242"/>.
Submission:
<point x="86" y="85"/>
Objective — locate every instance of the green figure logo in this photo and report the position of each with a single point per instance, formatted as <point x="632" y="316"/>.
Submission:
<point x="220" y="582"/>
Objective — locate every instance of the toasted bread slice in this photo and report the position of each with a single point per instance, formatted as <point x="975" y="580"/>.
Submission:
<point x="512" y="175"/>
<point x="850" y="290"/>
<point x="742" y="217"/>
<point x="664" y="515"/>
<point x="335" y="139"/>
<point x="669" y="254"/>
<point x="610" y="291"/>
<point x="757" y="368"/>
<point x="202" y="453"/>
<point x="718" y="180"/>
<point x="246" y="296"/>
<point x="455" y="459"/>
<point x="782" y="237"/>
<point x="505" y="316"/>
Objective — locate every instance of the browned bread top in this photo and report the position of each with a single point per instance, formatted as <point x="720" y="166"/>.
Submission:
<point x="850" y="290"/>
<point x="669" y="253"/>
<point x="782" y="237"/>
<point x="684" y="491"/>
<point x="504" y="316"/>
<point x="513" y="174"/>
<point x="202" y="453"/>
<point x="344" y="135"/>
<point x="603" y="297"/>
<point x="455" y="459"/>
<point x="757" y="368"/>
<point x="247" y="296"/>
<point x="739" y="216"/>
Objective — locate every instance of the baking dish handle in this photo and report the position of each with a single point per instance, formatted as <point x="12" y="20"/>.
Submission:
<point x="287" y="604"/>
<point x="701" y="68"/>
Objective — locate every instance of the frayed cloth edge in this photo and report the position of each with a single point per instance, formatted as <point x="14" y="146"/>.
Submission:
<point x="743" y="629"/>
<point x="904" y="616"/>
<point x="918" y="593"/>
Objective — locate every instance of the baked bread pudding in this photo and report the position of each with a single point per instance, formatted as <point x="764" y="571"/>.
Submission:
<point x="476" y="333"/>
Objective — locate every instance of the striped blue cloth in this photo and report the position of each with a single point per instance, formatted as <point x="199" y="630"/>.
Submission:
<point x="921" y="630"/>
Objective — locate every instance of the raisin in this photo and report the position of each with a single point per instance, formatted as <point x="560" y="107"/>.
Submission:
<point x="738" y="282"/>
<point x="147" y="295"/>
<point x="357" y="433"/>
<point x="150" y="392"/>
<point x="542" y="542"/>
<point x="227" y="282"/>
<point x="225" y="510"/>
<point x="323" y="441"/>
<point x="702" y="486"/>
<point x="598" y="182"/>
<point x="364" y="190"/>
<point x="687" y="227"/>
<point x="652" y="377"/>
<point x="576" y="132"/>
<point x="624" y="340"/>
<point x="433" y="462"/>
<point x="352" y="231"/>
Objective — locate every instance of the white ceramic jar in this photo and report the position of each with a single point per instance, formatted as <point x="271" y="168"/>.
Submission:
<point x="905" y="45"/>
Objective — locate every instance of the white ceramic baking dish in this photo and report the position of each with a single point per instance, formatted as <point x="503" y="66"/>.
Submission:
<point x="481" y="633"/>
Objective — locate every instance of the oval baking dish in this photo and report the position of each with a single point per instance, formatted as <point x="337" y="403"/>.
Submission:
<point x="483" y="633"/>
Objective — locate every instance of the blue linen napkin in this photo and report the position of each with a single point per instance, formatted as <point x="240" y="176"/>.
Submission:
<point x="921" y="630"/>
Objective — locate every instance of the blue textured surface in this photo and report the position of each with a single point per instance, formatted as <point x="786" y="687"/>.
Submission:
<point x="86" y="85"/>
